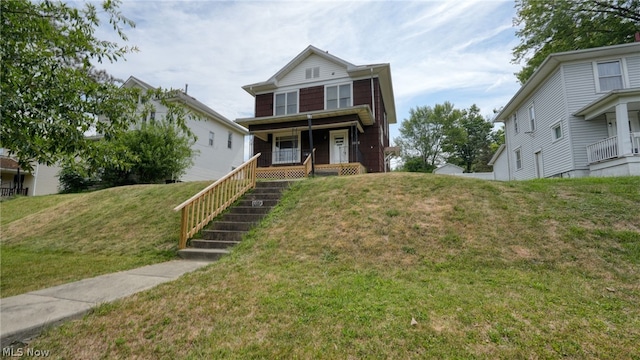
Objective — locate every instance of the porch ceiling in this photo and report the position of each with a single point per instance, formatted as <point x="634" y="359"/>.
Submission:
<point x="363" y="112"/>
<point x="263" y="134"/>
<point x="608" y="102"/>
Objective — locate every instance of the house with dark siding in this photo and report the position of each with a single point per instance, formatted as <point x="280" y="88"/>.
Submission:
<point x="343" y="109"/>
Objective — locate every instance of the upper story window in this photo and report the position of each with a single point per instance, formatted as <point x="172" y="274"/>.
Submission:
<point x="532" y="117"/>
<point x="312" y="73"/>
<point x="286" y="103"/>
<point x="338" y="96"/>
<point x="230" y="140"/>
<point x="515" y="122"/>
<point x="610" y="75"/>
<point x="211" y="137"/>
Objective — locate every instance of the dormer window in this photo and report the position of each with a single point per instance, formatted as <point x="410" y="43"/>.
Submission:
<point x="312" y="73"/>
<point x="286" y="103"/>
<point x="609" y="76"/>
<point x="338" y="96"/>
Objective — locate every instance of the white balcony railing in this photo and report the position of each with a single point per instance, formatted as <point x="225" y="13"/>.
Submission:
<point x="603" y="150"/>
<point x="608" y="148"/>
<point x="635" y="143"/>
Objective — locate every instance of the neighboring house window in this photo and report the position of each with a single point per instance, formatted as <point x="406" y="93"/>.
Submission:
<point x="610" y="75"/>
<point x="230" y="140"/>
<point x="532" y="118"/>
<point x="287" y="103"/>
<point x="556" y="131"/>
<point x="312" y="73"/>
<point x="515" y="122"/>
<point x="338" y="96"/>
<point x="285" y="149"/>
<point x="211" y="137"/>
<point x="518" y="154"/>
<point x="152" y="116"/>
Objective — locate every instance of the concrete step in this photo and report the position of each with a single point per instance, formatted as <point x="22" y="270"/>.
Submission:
<point x="224" y="235"/>
<point x="250" y="218"/>
<point x="202" y="254"/>
<point x="273" y="184"/>
<point x="257" y="202"/>
<point x="231" y="225"/>
<point x="262" y="196"/>
<point x="249" y="210"/>
<point x="212" y="244"/>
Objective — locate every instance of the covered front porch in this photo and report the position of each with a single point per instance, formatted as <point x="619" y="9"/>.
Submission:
<point x="286" y="142"/>
<point x="617" y="114"/>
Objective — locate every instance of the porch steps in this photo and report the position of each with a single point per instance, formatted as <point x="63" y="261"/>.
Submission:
<point x="227" y="230"/>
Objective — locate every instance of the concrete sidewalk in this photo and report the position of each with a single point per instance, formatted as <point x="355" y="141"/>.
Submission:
<point x="24" y="316"/>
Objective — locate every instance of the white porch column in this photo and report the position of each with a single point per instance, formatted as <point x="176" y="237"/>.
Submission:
<point x="622" y="130"/>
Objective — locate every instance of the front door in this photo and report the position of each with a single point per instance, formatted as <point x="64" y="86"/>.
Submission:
<point x="339" y="146"/>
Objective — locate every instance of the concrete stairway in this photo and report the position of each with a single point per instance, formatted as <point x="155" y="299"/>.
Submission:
<point x="228" y="229"/>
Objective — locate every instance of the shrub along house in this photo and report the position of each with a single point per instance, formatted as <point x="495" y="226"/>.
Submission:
<point x="346" y="109"/>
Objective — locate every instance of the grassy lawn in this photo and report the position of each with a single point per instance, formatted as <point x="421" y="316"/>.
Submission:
<point x="541" y="269"/>
<point x="49" y="240"/>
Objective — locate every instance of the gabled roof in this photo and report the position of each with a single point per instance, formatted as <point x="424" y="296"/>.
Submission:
<point x="552" y="62"/>
<point x="382" y="71"/>
<point x="191" y="102"/>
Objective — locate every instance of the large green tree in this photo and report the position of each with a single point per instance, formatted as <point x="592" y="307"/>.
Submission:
<point x="467" y="138"/>
<point x="550" y="26"/>
<point x="421" y="135"/>
<point x="52" y="93"/>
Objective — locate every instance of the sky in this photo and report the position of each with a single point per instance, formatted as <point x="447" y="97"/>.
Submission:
<point x="457" y="51"/>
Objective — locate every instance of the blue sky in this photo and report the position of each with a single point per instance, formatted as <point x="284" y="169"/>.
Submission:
<point x="457" y="51"/>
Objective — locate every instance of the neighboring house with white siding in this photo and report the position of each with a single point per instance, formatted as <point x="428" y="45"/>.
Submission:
<point x="220" y="143"/>
<point x="14" y="180"/>
<point x="578" y="115"/>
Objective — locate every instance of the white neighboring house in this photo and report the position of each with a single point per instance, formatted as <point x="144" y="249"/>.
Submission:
<point x="220" y="141"/>
<point x="41" y="180"/>
<point x="500" y="164"/>
<point x="578" y="115"/>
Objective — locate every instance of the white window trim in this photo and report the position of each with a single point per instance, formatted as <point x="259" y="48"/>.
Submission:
<point x="623" y="71"/>
<point x="327" y="86"/>
<point x="515" y="158"/>
<point x="532" y="120"/>
<point x="553" y="132"/>
<point x="273" y="145"/>
<point x="285" y="102"/>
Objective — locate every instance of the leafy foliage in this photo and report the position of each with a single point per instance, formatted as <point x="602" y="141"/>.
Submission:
<point x="432" y="135"/>
<point x="467" y="139"/>
<point x="51" y="92"/>
<point x="421" y="135"/>
<point x="564" y="25"/>
<point x="154" y="152"/>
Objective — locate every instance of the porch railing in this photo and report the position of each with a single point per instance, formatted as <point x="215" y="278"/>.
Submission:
<point x="608" y="148"/>
<point x="6" y="192"/>
<point x="603" y="150"/>
<point x="204" y="206"/>
<point x="286" y="172"/>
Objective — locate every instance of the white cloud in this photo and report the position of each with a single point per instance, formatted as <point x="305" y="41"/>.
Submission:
<point x="460" y="49"/>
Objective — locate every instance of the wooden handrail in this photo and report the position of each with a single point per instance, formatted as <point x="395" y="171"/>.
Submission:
<point x="307" y="163"/>
<point x="204" y="206"/>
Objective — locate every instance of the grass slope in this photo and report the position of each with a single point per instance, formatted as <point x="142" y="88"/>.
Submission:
<point x="49" y="240"/>
<point x="537" y="269"/>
